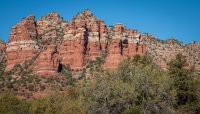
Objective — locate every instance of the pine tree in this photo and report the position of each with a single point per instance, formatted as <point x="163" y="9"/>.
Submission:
<point x="184" y="83"/>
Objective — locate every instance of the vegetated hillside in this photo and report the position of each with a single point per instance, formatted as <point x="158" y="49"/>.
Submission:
<point x="136" y="86"/>
<point x="161" y="52"/>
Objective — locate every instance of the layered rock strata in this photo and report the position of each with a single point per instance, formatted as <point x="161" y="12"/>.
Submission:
<point x="2" y="45"/>
<point x="51" y="28"/>
<point x="84" y="40"/>
<point x="47" y="62"/>
<point x="125" y="43"/>
<point x="22" y="44"/>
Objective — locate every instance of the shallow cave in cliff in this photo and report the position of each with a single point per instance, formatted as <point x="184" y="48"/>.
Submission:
<point x="125" y="41"/>
<point x="60" y="68"/>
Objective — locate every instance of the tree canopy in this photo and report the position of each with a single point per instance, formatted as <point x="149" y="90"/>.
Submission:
<point x="136" y="87"/>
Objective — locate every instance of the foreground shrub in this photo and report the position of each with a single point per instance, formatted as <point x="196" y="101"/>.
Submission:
<point x="10" y="104"/>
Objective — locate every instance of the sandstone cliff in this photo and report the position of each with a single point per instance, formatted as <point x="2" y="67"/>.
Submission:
<point x="124" y="43"/>
<point x="22" y="44"/>
<point x="84" y="39"/>
<point x="50" y="28"/>
<point x="47" y="62"/>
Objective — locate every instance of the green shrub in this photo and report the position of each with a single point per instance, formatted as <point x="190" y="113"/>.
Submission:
<point x="10" y="104"/>
<point x="31" y="88"/>
<point x="42" y="87"/>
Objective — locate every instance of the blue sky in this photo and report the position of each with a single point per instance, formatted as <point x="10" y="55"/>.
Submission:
<point x="163" y="18"/>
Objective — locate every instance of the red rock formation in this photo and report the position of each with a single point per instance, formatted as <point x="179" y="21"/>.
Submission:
<point x="72" y="53"/>
<point x="140" y="49"/>
<point x="103" y="28"/>
<point x="51" y="29"/>
<point x="94" y="43"/>
<point x="2" y="56"/>
<point x="103" y="35"/>
<point x="87" y="29"/>
<point x="2" y="45"/>
<point x="95" y="28"/>
<point x="47" y="62"/>
<point x="115" y="55"/>
<point x="127" y="42"/>
<point x="24" y="30"/>
<point x="22" y="45"/>
<point x="104" y="43"/>
<point x="73" y="49"/>
<point x="84" y="39"/>
<point x="125" y="48"/>
<point x="119" y="27"/>
<point x="94" y="50"/>
<point x="51" y="21"/>
<point x="132" y="49"/>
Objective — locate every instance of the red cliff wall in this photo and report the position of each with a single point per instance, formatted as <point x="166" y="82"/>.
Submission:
<point x="22" y="44"/>
<point x="125" y="43"/>
<point x="47" y="62"/>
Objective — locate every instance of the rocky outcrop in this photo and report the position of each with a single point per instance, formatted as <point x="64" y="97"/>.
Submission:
<point x="2" y="45"/>
<point x="47" y="62"/>
<point x="50" y="24"/>
<point x="22" y="44"/>
<point x="84" y="40"/>
<point x="161" y="52"/>
<point x="2" y="55"/>
<point x="125" y="43"/>
<point x="51" y="28"/>
<point x="192" y="51"/>
<point x="73" y="53"/>
<point x="114" y="54"/>
<point x="97" y="40"/>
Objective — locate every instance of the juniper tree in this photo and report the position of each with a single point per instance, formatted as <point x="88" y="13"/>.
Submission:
<point x="184" y="83"/>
